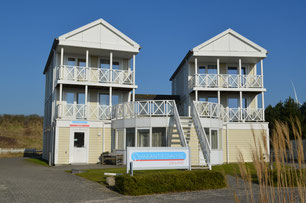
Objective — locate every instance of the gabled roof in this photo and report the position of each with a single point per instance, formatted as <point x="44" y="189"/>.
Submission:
<point x="230" y="43"/>
<point x="99" y="34"/>
<point x="226" y="44"/>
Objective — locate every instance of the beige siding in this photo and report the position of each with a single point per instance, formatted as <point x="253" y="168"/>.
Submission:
<point x="95" y="145"/>
<point x="107" y="140"/>
<point x="241" y="141"/>
<point x="194" y="147"/>
<point x="63" y="145"/>
<point x="222" y="68"/>
<point x="94" y="61"/>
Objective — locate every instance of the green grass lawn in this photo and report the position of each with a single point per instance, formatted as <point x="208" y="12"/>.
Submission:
<point x="37" y="161"/>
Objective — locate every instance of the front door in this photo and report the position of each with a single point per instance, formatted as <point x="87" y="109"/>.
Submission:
<point x="79" y="146"/>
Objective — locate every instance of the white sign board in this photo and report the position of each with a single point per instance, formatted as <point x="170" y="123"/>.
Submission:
<point x="151" y="158"/>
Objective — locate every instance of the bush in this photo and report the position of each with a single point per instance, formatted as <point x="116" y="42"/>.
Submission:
<point x="169" y="181"/>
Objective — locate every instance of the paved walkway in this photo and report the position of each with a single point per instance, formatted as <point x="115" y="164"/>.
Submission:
<point x="22" y="181"/>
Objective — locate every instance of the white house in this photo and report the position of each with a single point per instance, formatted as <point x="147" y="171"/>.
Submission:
<point x="91" y="107"/>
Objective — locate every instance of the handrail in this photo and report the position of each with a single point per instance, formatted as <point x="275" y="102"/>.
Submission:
<point x="93" y="74"/>
<point x="179" y="125"/>
<point x="226" y="81"/>
<point x="204" y="143"/>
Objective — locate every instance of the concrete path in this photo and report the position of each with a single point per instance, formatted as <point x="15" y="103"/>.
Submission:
<point x="23" y="181"/>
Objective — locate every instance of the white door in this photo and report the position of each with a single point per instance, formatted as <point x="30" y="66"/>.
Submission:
<point x="79" y="146"/>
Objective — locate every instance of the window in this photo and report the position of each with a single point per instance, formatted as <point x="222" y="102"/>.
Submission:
<point x="232" y="102"/>
<point x="202" y="70"/>
<point x="143" y="138"/>
<point x="81" y="62"/>
<point x="79" y="139"/>
<point x="71" y="62"/>
<point x="115" y="99"/>
<point x="214" y="139"/>
<point x="120" y="136"/>
<point x="159" y="137"/>
<point x="211" y="69"/>
<point x="104" y="99"/>
<point x="80" y="98"/>
<point x="130" y="137"/>
<point x="69" y="97"/>
<point x="232" y="71"/>
<point x="105" y="63"/>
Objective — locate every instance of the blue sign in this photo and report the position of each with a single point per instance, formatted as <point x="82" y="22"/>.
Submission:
<point x="158" y="156"/>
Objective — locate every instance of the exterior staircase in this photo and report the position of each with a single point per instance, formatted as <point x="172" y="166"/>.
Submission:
<point x="186" y="123"/>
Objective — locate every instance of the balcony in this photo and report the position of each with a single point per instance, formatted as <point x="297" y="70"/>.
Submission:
<point x="157" y="108"/>
<point x="94" y="75"/>
<point x="214" y="110"/>
<point x="225" y="81"/>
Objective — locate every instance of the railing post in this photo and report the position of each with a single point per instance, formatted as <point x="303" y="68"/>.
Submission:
<point x="196" y="71"/>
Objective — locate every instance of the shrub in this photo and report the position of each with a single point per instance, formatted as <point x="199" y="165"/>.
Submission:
<point x="172" y="181"/>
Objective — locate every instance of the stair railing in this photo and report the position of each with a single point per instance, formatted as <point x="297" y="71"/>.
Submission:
<point x="204" y="143"/>
<point x="177" y="121"/>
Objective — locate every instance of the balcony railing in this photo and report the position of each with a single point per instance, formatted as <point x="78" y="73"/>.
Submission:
<point x="82" y="111"/>
<point x="95" y="75"/>
<point x="143" y="109"/>
<point x="214" y="110"/>
<point x="225" y="81"/>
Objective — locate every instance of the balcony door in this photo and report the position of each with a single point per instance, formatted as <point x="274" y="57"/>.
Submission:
<point x="232" y="78"/>
<point x="104" y="110"/>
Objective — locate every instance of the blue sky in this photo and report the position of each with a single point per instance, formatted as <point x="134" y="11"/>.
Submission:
<point x="165" y="29"/>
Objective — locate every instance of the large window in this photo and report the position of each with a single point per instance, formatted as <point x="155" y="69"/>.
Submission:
<point x="130" y="137"/>
<point x="143" y="137"/>
<point x="159" y="137"/>
<point x="120" y="137"/>
<point x="104" y="99"/>
<point x="214" y="139"/>
<point x="105" y="63"/>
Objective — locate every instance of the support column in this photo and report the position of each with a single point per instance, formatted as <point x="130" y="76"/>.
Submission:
<point x="219" y="98"/>
<point x="110" y="96"/>
<point x="263" y="105"/>
<point x="240" y="104"/>
<point x="196" y="95"/>
<point x="239" y="78"/>
<point x="87" y="62"/>
<point x="86" y="95"/>
<point x="60" y="99"/>
<point x="218" y="71"/>
<point x="196" y="71"/>
<point x="111" y="67"/>
<point x="261" y="72"/>
<point x="134" y="69"/>
<point x="62" y="56"/>
<point x="133" y="94"/>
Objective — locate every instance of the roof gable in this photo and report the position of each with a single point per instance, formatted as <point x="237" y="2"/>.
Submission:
<point x="229" y="43"/>
<point x="99" y="34"/>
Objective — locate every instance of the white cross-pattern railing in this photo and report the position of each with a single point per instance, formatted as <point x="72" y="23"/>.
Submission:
<point x="225" y="81"/>
<point x="99" y="112"/>
<point x="214" y="110"/>
<point x="209" y="109"/>
<point x="95" y="75"/>
<point x="72" y="111"/>
<point x="142" y="109"/>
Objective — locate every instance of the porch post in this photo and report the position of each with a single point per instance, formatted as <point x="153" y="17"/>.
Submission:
<point x="196" y="71"/>
<point x="134" y="69"/>
<point x="60" y="99"/>
<point x="196" y="95"/>
<point x="133" y="94"/>
<point x="263" y="105"/>
<point x="86" y="107"/>
<point x="62" y="56"/>
<point x="240" y="105"/>
<point x="218" y="72"/>
<point x="219" y="98"/>
<point x="87" y="61"/>
<point x="111" y="67"/>
<point x="239" y="78"/>
<point x="110" y="96"/>
<point x="261" y="72"/>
